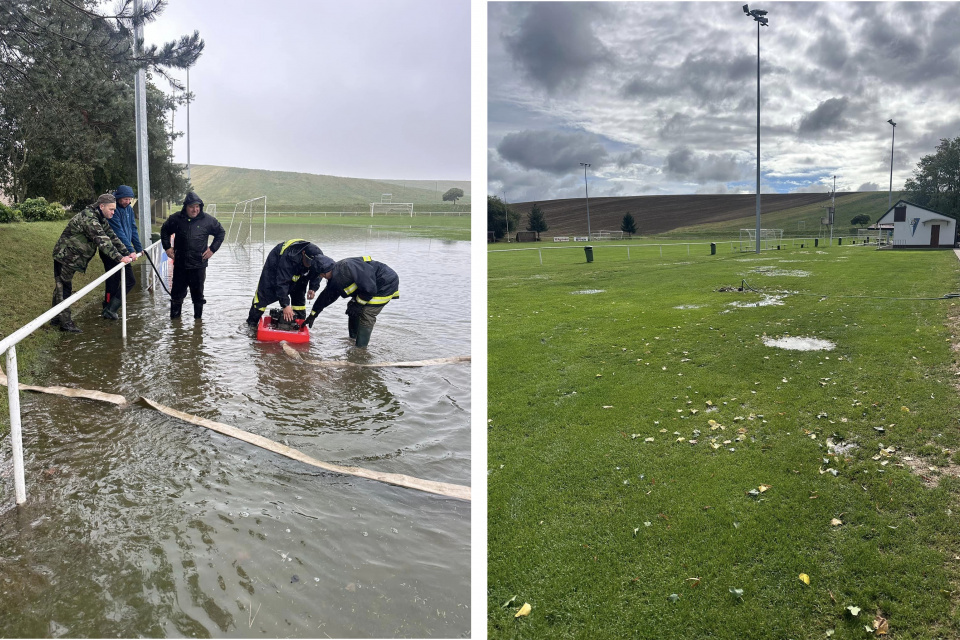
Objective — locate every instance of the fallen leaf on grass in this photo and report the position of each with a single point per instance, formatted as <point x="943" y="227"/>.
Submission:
<point x="905" y="409"/>
<point x="881" y="625"/>
<point x="764" y="487"/>
<point x="829" y="632"/>
<point x="695" y="582"/>
<point x="648" y="439"/>
<point x="608" y="406"/>
<point x="673" y="597"/>
<point x="836" y="522"/>
<point x="524" y="610"/>
<point x="854" y="611"/>
<point x="508" y="602"/>
<point x="737" y="592"/>
<point x="804" y="578"/>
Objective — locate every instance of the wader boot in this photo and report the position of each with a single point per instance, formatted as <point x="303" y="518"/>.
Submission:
<point x="253" y="318"/>
<point x="110" y="311"/>
<point x="353" y="323"/>
<point x="363" y="335"/>
<point x="198" y="310"/>
<point x="175" y="308"/>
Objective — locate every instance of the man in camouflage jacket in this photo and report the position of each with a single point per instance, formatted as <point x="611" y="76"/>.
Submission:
<point x="85" y="233"/>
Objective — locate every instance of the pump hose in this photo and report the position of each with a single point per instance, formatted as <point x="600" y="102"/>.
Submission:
<point x="159" y="277"/>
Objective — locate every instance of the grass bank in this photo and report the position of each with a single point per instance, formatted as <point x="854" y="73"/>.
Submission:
<point x="657" y="471"/>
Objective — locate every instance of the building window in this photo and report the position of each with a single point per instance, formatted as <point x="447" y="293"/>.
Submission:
<point x="899" y="214"/>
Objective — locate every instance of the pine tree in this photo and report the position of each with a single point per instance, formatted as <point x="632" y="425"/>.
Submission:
<point x="535" y="220"/>
<point x="628" y="225"/>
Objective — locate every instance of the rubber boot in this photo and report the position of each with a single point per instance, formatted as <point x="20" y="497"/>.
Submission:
<point x="363" y="336"/>
<point x="110" y="311"/>
<point x="352" y="324"/>
<point x="253" y="318"/>
<point x="198" y="311"/>
<point x="70" y="327"/>
<point x="175" y="309"/>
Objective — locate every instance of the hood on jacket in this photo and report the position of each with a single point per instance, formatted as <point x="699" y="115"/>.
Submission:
<point x="192" y="198"/>
<point x="123" y="191"/>
<point x="323" y="264"/>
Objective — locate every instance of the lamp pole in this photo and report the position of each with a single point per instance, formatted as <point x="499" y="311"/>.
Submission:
<point x="586" y="192"/>
<point x="833" y="208"/>
<point x="892" y="140"/>
<point x="758" y="16"/>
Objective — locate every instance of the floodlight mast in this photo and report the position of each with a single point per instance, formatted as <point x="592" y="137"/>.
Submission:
<point x="587" y="194"/>
<point x="892" y="140"/>
<point x="759" y="16"/>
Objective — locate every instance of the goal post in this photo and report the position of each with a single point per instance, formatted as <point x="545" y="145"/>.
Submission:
<point x="769" y="239"/>
<point x="391" y="209"/>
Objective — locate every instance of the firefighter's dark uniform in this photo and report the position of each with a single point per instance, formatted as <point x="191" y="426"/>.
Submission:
<point x="285" y="277"/>
<point x="189" y="267"/>
<point x="369" y="283"/>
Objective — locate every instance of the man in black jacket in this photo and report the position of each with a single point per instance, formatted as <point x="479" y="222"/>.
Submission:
<point x="290" y="267"/>
<point x="189" y="251"/>
<point x="369" y="283"/>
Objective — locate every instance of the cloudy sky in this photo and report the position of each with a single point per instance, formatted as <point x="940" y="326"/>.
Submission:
<point x="365" y="89"/>
<point x="661" y="97"/>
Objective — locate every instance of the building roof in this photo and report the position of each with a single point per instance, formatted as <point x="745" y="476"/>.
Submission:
<point x="913" y="204"/>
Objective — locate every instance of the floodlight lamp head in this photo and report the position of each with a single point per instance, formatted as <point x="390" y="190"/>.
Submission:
<point x="892" y="122"/>
<point x="763" y="21"/>
<point x="746" y="9"/>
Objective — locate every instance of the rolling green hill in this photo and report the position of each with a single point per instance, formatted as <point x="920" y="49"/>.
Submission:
<point x="228" y="185"/>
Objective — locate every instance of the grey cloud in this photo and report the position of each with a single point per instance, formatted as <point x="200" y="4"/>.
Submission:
<point x="555" y="44"/>
<point x="828" y="116"/>
<point x="675" y="126"/>
<point x="869" y="186"/>
<point x="556" y="152"/>
<point x="683" y="163"/>
<point x="626" y="159"/>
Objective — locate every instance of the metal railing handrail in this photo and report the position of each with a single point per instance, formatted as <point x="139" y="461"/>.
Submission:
<point x="8" y="345"/>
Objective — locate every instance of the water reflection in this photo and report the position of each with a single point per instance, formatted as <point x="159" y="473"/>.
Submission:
<point x="140" y="525"/>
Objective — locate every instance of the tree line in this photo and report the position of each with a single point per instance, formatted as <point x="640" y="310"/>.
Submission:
<point x="67" y="127"/>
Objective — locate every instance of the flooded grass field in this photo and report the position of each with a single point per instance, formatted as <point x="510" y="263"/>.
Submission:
<point x="138" y="524"/>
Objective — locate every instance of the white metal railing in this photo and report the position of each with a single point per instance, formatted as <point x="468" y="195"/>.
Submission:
<point x="8" y="345"/>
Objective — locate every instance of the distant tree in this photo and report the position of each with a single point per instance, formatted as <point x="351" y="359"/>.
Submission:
<point x="498" y="214"/>
<point x="628" y="224"/>
<point x="936" y="180"/>
<point x="861" y="220"/>
<point x="453" y="194"/>
<point x="535" y="220"/>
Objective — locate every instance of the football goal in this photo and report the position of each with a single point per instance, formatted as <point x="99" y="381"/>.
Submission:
<point x="606" y="235"/>
<point x="386" y="207"/>
<point x="246" y="220"/>
<point x="769" y="239"/>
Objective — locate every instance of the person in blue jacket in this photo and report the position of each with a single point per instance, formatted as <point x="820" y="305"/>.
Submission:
<point x="124" y="224"/>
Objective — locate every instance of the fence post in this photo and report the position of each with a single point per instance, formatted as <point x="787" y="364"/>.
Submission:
<point x="123" y="300"/>
<point x="16" y="435"/>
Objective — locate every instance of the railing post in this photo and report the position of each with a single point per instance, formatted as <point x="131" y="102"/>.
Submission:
<point x="16" y="435"/>
<point x="123" y="300"/>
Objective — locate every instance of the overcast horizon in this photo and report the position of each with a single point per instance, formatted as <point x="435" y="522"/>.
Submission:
<point x="378" y="89"/>
<point x="660" y="98"/>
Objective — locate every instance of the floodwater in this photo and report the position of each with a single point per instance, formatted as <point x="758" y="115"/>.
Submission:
<point x="138" y="524"/>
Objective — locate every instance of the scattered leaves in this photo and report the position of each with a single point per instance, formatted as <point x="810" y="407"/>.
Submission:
<point x="508" y="602"/>
<point x="881" y="625"/>
<point x="524" y="610"/>
<point x="737" y="592"/>
<point x="854" y="611"/>
<point x="836" y="522"/>
<point x="673" y="597"/>
<point x="764" y="487"/>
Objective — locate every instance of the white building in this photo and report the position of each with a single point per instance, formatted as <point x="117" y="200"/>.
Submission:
<point x="917" y="227"/>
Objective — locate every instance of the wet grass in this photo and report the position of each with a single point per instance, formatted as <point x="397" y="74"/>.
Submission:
<point x="600" y="506"/>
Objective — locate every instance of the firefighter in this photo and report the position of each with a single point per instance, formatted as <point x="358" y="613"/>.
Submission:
<point x="84" y="234"/>
<point x="290" y="268"/>
<point x="190" y="252"/>
<point x="369" y="284"/>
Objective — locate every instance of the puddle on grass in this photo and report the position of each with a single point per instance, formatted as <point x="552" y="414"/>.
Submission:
<point x="766" y="301"/>
<point x="586" y="291"/>
<point x="773" y="271"/>
<point x="689" y="306"/>
<point x="793" y="343"/>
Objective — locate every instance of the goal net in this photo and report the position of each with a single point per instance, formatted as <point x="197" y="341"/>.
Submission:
<point x="606" y="235"/>
<point x="769" y="239"/>
<point x="391" y="209"/>
<point x="248" y="222"/>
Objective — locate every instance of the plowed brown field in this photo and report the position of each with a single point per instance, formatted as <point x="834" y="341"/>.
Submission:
<point x="657" y="214"/>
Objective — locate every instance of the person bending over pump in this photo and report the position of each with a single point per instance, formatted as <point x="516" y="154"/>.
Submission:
<point x="85" y="233"/>
<point x="190" y="252"/>
<point x="369" y="283"/>
<point x="124" y="224"/>
<point x="289" y="269"/>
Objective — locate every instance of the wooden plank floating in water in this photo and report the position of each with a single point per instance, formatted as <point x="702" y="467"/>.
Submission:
<point x="71" y="393"/>
<point x="440" y="488"/>
<point x="293" y="353"/>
